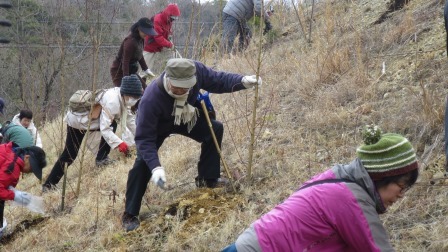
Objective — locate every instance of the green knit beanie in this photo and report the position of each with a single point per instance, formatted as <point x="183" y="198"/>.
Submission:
<point x="385" y="155"/>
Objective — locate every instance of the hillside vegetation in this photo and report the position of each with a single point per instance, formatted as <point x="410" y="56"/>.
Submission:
<point x="381" y="62"/>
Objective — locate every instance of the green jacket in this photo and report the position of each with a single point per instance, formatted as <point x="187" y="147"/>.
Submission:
<point x="17" y="134"/>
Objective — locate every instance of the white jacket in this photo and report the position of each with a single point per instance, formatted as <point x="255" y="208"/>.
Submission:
<point x="32" y="129"/>
<point x="112" y="109"/>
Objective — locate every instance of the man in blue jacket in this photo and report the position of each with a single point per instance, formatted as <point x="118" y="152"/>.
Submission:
<point x="169" y="106"/>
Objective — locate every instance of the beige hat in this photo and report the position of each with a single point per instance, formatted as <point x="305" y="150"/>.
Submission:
<point x="181" y="72"/>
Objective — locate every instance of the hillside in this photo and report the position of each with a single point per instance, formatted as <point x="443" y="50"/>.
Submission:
<point x="381" y="62"/>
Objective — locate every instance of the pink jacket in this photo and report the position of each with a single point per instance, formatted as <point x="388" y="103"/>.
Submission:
<point x="326" y="217"/>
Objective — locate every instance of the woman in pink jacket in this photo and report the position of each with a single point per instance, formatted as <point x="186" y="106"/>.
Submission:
<point x="338" y="210"/>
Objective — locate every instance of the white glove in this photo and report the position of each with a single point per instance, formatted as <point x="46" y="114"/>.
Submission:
<point x="149" y="73"/>
<point x="158" y="173"/>
<point x="22" y="198"/>
<point x="250" y="81"/>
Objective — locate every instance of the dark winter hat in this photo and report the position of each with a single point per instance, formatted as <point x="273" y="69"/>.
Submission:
<point x="146" y="26"/>
<point x="2" y="105"/>
<point x="37" y="159"/>
<point x="181" y="72"/>
<point x="131" y="85"/>
<point x="385" y="155"/>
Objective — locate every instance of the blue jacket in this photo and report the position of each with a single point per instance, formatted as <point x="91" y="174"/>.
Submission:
<point x="154" y="116"/>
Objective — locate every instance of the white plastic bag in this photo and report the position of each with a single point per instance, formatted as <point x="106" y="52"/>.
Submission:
<point x="36" y="204"/>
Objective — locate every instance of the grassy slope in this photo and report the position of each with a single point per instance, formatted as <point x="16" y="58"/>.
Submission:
<point x="314" y="101"/>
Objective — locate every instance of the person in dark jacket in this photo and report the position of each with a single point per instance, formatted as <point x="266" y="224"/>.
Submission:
<point x="130" y="54"/>
<point x="2" y="105"/>
<point x="14" y="161"/>
<point x="169" y="106"/>
<point x="236" y="13"/>
<point x="338" y="210"/>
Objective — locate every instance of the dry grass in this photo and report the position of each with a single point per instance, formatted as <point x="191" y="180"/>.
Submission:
<point x="314" y="100"/>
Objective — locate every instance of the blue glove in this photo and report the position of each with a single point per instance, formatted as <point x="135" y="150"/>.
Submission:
<point x="208" y="103"/>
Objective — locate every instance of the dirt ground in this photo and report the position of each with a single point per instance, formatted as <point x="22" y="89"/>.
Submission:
<point x="180" y="218"/>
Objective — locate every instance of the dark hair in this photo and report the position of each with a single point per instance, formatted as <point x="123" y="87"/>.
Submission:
<point x="134" y="31"/>
<point x="408" y="178"/>
<point x="37" y="153"/>
<point x="25" y="113"/>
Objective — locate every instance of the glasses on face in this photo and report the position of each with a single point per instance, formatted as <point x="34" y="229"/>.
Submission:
<point x="403" y="187"/>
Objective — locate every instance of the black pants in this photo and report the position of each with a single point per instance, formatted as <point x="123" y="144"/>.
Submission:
<point x="2" y="209"/>
<point x="208" y="165"/>
<point x="71" y="149"/>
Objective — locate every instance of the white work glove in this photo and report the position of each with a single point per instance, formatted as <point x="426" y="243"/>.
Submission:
<point x="158" y="176"/>
<point x="22" y="198"/>
<point x="249" y="81"/>
<point x="149" y="73"/>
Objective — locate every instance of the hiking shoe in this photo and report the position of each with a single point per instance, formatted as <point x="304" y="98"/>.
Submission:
<point x="47" y="188"/>
<point x="104" y="162"/>
<point x="129" y="222"/>
<point x="211" y="183"/>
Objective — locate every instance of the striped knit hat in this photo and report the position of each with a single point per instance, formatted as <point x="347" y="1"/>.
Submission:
<point x="131" y="85"/>
<point x="385" y="155"/>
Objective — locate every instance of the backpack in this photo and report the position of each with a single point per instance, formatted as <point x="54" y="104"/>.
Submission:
<point x="5" y="127"/>
<point x="81" y="101"/>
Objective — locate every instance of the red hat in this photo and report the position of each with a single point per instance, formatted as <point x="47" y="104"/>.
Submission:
<point x="172" y="10"/>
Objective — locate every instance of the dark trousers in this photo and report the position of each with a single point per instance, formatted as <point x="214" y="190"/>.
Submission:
<point x="231" y="28"/>
<point x="445" y="17"/>
<point x="446" y="132"/>
<point x="2" y="209"/>
<point x="72" y="143"/>
<point x="208" y="165"/>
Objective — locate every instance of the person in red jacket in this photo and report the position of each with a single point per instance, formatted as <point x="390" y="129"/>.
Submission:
<point x="13" y="161"/>
<point x="155" y="46"/>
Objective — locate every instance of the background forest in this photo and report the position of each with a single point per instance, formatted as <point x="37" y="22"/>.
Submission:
<point x="58" y="47"/>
